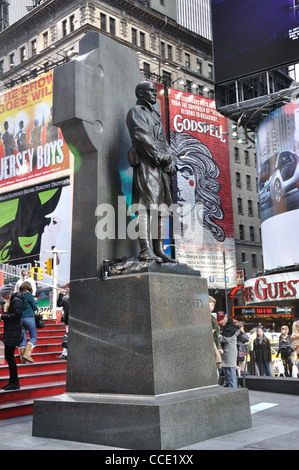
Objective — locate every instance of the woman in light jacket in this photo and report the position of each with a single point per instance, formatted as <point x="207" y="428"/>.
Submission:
<point x="228" y="339"/>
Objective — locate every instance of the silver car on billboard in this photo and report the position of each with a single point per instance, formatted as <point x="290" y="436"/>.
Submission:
<point x="278" y="176"/>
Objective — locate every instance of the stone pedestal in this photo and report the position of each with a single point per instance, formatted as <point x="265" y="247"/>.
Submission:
<point x="141" y="367"/>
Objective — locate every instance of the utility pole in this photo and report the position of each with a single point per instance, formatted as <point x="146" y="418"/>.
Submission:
<point x="55" y="254"/>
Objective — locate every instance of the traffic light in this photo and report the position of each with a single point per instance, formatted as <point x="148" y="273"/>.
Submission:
<point x="36" y="273"/>
<point x="32" y="271"/>
<point x="48" y="265"/>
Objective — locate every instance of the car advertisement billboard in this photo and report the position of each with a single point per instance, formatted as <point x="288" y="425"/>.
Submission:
<point x="30" y="146"/>
<point x="277" y="145"/>
<point x="251" y="36"/>
<point x="203" y="220"/>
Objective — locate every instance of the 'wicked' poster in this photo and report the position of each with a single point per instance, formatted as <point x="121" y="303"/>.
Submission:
<point x="34" y="219"/>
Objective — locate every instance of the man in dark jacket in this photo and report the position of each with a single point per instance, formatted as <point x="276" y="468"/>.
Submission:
<point x="153" y="163"/>
<point x="13" y="329"/>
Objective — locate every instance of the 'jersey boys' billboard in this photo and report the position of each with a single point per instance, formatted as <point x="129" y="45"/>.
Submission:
<point x="203" y="220"/>
<point x="30" y="146"/>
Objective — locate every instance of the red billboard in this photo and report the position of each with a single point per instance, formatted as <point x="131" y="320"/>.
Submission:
<point x="203" y="218"/>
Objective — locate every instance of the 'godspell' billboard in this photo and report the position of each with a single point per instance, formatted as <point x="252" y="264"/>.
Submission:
<point x="30" y="146"/>
<point x="277" y="144"/>
<point x="203" y="219"/>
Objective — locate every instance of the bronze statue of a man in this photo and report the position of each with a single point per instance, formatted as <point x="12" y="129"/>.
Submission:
<point x="153" y="163"/>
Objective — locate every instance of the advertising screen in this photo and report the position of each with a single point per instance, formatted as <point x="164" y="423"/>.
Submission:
<point x="30" y="146"/>
<point x="203" y="220"/>
<point x="277" y="145"/>
<point x="251" y="36"/>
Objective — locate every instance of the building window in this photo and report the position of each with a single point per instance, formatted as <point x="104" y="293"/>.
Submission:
<point x="33" y="47"/>
<point x="247" y="159"/>
<point x="236" y="153"/>
<point x="134" y="36"/>
<point x="11" y="60"/>
<point x="162" y="49"/>
<point x="112" y="26"/>
<point x="103" y="22"/>
<point x="162" y="3"/>
<point x="167" y="78"/>
<point x="243" y="257"/>
<point x="1" y="67"/>
<point x="187" y="61"/>
<point x="45" y="39"/>
<point x="146" y="70"/>
<point x="240" y="206"/>
<point x="251" y="234"/>
<point x="199" y="66"/>
<point x="142" y="40"/>
<point x="72" y="23"/>
<point x="64" y="28"/>
<point x="22" y="54"/>
<point x="250" y="211"/>
<point x="241" y="231"/>
<point x="200" y="89"/>
<point x="210" y="70"/>
<point x="238" y="180"/>
<point x="253" y="260"/>
<point x="248" y="182"/>
<point x="188" y="86"/>
<point x="169" y="52"/>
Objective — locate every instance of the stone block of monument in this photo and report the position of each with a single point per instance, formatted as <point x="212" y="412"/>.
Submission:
<point x="141" y="369"/>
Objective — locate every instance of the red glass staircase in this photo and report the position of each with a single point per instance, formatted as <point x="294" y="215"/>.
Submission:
<point x="45" y="377"/>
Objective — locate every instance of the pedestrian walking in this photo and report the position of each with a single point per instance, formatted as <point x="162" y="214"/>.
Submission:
<point x="26" y="277"/>
<point x="228" y="340"/>
<point x="295" y="345"/>
<point x="284" y="348"/>
<point x="13" y="329"/>
<point x="28" y="321"/>
<point x="262" y="352"/>
<point x="243" y="346"/>
<point x="216" y="331"/>
<point x="64" y="302"/>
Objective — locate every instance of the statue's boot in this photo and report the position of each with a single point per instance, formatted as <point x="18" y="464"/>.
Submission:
<point x="146" y="253"/>
<point x="159" y="242"/>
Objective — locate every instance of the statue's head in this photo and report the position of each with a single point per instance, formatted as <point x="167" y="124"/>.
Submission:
<point x="147" y="91"/>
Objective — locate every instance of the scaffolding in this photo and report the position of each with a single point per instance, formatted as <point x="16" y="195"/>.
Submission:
<point x="4" y="18"/>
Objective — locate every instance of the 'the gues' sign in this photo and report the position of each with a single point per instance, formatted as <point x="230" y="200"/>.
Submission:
<point x="274" y="287"/>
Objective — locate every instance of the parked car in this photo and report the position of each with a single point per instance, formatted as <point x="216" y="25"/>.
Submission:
<point x="279" y="174"/>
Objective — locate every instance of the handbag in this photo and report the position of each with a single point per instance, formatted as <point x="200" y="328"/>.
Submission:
<point x="39" y="321"/>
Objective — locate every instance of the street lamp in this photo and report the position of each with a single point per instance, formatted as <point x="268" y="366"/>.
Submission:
<point x="225" y="284"/>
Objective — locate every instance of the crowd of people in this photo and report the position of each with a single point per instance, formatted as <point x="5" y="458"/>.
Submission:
<point x="18" y="309"/>
<point x="235" y="349"/>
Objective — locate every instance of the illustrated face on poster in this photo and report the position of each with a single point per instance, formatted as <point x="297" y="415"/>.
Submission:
<point x="203" y="222"/>
<point x="197" y="186"/>
<point x="32" y="220"/>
